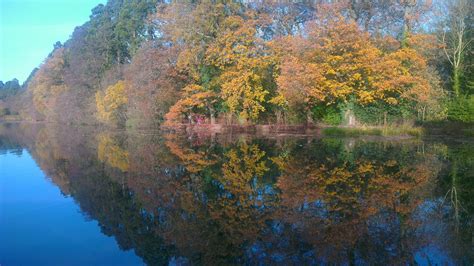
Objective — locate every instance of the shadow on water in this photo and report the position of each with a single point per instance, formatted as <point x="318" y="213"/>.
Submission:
<point x="245" y="200"/>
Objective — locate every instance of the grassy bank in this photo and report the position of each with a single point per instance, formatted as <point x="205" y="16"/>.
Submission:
<point x="374" y="131"/>
<point x="450" y="128"/>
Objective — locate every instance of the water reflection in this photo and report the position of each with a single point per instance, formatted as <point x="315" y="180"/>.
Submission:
<point x="287" y="200"/>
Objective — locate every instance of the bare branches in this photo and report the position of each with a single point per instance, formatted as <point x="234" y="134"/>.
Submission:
<point x="454" y="37"/>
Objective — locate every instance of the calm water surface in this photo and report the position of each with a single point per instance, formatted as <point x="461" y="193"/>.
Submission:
<point x="81" y="196"/>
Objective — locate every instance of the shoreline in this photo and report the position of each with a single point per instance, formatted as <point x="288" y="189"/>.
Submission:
<point x="299" y="129"/>
<point x="314" y="130"/>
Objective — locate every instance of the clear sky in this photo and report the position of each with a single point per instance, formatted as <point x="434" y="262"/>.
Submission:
<point x="29" y="28"/>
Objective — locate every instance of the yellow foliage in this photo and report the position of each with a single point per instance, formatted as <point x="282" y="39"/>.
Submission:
<point x="246" y="63"/>
<point x="333" y="62"/>
<point x="244" y="93"/>
<point x="111" y="105"/>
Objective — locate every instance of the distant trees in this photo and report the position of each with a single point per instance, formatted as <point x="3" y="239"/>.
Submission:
<point x="111" y="36"/>
<point x="10" y="85"/>
<point x="9" y="88"/>
<point x="64" y="87"/>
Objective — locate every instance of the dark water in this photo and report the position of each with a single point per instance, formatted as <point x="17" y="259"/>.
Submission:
<point x="80" y="196"/>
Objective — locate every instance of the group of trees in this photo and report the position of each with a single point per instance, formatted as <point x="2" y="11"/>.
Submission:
<point x="9" y="88"/>
<point x="457" y="39"/>
<point x="142" y="62"/>
<point x="326" y="65"/>
<point x="64" y="88"/>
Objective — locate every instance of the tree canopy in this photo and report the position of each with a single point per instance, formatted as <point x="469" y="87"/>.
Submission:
<point x="261" y="62"/>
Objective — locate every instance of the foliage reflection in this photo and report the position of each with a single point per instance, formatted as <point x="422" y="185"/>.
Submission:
<point x="222" y="200"/>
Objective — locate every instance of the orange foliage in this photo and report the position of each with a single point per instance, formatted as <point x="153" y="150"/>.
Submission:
<point x="194" y="161"/>
<point x="48" y="84"/>
<point x="338" y="61"/>
<point x="193" y="97"/>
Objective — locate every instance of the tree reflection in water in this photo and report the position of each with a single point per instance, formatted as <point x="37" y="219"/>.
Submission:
<point x="244" y="200"/>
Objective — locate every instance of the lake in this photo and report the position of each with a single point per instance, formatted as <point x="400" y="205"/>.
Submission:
<point x="84" y="196"/>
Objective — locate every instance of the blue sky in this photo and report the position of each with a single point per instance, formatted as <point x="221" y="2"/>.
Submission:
<point x="29" y="28"/>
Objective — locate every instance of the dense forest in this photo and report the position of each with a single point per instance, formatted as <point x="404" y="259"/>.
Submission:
<point x="141" y="63"/>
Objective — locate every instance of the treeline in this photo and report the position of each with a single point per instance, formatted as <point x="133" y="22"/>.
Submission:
<point x="7" y="91"/>
<point x="9" y="88"/>
<point x="140" y="63"/>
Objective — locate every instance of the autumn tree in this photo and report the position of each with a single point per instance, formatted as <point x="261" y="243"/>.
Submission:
<point x="48" y="83"/>
<point x="195" y="99"/>
<point x="336" y="63"/>
<point x="112" y="104"/>
<point x="246" y="64"/>
<point x="407" y="77"/>
<point x="154" y="84"/>
<point x="236" y="67"/>
<point x="193" y="26"/>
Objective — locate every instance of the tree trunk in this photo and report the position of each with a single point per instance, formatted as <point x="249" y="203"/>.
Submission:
<point x="309" y="118"/>
<point x="229" y="118"/>
<point x="456" y="81"/>
<point x="213" y="116"/>
<point x="349" y="117"/>
<point x="118" y="57"/>
<point x="278" y="114"/>
<point x="213" y="119"/>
